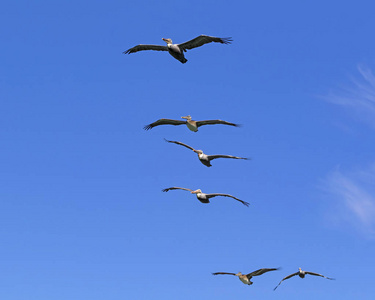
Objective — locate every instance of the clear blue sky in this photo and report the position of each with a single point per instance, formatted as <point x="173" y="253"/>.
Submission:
<point x="82" y="213"/>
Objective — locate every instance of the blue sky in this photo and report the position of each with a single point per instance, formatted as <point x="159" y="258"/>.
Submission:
<point x="82" y="213"/>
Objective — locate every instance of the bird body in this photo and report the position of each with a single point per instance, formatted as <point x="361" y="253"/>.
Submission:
<point x="191" y="124"/>
<point x="245" y="278"/>
<point x="177" y="50"/>
<point x="302" y="274"/>
<point x="204" y="158"/>
<point x="205" y="198"/>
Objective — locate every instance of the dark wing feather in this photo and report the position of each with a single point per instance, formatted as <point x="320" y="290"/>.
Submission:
<point x="211" y="157"/>
<point x="317" y="274"/>
<point x="221" y="273"/>
<point x="201" y="40"/>
<point x="287" y="277"/>
<point x="227" y="195"/>
<point x="260" y="272"/>
<point x="179" y="143"/>
<point x="164" y="122"/>
<point x="213" y="122"/>
<point x="145" y="47"/>
<point x="176" y="188"/>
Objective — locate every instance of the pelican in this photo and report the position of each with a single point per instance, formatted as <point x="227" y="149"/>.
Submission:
<point x="206" y="159"/>
<point x="177" y="50"/>
<point x="245" y="278"/>
<point x="302" y="274"/>
<point x="192" y="125"/>
<point x="205" y="198"/>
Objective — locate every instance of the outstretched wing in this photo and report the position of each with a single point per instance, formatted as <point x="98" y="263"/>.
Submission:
<point x="316" y="274"/>
<point x="260" y="272"/>
<point x="213" y="122"/>
<point x="227" y="195"/>
<point x="145" y="47"/>
<point x="179" y="143"/>
<point x="223" y="273"/>
<point x="287" y="277"/>
<point x="176" y="188"/>
<point x="211" y="157"/>
<point x="164" y="122"/>
<point x="201" y="40"/>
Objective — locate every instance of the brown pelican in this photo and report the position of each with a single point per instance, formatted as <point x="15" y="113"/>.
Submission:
<point x="205" y="198"/>
<point x="192" y="125"/>
<point x="177" y="50"/>
<point x="302" y="274"/>
<point x="206" y="159"/>
<point x="245" y="278"/>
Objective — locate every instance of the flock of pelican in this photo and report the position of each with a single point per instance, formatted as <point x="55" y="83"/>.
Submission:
<point x="177" y="51"/>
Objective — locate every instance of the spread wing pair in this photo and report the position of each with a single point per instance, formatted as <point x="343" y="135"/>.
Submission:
<point x="194" y="43"/>
<point x="206" y="159"/>
<point x="204" y="198"/>
<point x="250" y="275"/>
<point x="194" y="125"/>
<point x="301" y="274"/>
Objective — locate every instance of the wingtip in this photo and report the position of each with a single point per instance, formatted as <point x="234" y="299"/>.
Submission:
<point x="227" y="40"/>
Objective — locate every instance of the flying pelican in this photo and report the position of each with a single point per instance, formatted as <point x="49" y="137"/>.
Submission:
<point x="302" y="274"/>
<point x="245" y="278"/>
<point x="205" y="198"/>
<point x="177" y="50"/>
<point x="192" y="125"/>
<point x="206" y="159"/>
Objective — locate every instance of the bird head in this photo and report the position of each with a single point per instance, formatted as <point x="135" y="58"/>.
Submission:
<point x="300" y="269"/>
<point x="239" y="274"/>
<point x="198" y="151"/>
<point x="187" y="117"/>
<point x="196" y="191"/>
<point x="168" y="41"/>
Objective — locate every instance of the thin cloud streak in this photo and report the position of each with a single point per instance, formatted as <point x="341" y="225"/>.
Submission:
<point x="355" y="199"/>
<point x="360" y="98"/>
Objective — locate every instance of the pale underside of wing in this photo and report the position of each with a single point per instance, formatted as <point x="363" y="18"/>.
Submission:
<point x="317" y="274"/>
<point x="227" y="195"/>
<point x="261" y="271"/>
<point x="287" y="277"/>
<point x="182" y="144"/>
<point x="211" y="157"/>
<point x="164" y="122"/>
<point x="176" y="188"/>
<point x="201" y="40"/>
<point x="146" y="47"/>
<point x="214" y="122"/>
<point x="223" y="273"/>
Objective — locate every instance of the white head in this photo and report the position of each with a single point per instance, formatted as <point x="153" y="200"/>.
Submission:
<point x="239" y="274"/>
<point x="196" y="191"/>
<point x="198" y="151"/>
<point x="187" y="117"/>
<point x="168" y="41"/>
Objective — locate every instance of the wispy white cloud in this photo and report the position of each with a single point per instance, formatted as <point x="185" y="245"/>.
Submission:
<point x="354" y="195"/>
<point x="359" y="97"/>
